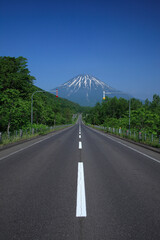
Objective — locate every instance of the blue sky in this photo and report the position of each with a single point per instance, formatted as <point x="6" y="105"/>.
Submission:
<point x="116" y="41"/>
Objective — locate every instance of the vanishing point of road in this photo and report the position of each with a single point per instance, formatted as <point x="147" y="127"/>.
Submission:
<point x="79" y="184"/>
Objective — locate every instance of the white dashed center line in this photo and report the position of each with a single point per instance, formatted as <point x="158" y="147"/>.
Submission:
<point x="81" y="197"/>
<point x="80" y="145"/>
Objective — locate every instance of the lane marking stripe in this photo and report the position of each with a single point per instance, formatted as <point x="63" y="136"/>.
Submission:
<point x="80" y="145"/>
<point x="81" y="197"/>
<point x="79" y="136"/>
<point x="133" y="149"/>
<point x="154" y="159"/>
<point x="20" y="150"/>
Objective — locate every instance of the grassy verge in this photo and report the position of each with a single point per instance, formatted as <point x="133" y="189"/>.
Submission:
<point x="18" y="136"/>
<point x="148" y="141"/>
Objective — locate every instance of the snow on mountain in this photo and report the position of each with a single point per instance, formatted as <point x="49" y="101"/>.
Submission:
<point x="86" y="90"/>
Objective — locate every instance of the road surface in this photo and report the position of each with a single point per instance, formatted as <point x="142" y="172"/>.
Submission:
<point x="79" y="184"/>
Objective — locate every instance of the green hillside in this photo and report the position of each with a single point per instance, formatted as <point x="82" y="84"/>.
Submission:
<point x="16" y="89"/>
<point x="114" y="113"/>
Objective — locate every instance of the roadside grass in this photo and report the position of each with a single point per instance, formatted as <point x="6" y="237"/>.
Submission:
<point x="27" y="135"/>
<point x="155" y="142"/>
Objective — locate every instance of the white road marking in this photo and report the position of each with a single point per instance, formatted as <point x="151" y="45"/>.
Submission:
<point x="154" y="159"/>
<point x="80" y="145"/>
<point x="54" y="134"/>
<point x="79" y="136"/>
<point x="133" y="149"/>
<point x="81" y="197"/>
<point x="24" y="148"/>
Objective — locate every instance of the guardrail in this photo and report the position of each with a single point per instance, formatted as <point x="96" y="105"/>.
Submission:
<point x="137" y="136"/>
<point x="17" y="135"/>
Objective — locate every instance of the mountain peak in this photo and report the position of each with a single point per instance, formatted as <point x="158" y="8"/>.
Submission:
<point x="86" y="90"/>
<point x="86" y="81"/>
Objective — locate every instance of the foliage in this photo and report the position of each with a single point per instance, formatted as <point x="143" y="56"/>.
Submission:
<point x="16" y="89"/>
<point x="114" y="112"/>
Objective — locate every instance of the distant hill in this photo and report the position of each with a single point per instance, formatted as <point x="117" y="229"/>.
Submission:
<point x="87" y="90"/>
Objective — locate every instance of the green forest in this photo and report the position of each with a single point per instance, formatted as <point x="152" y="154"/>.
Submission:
<point x="16" y="89"/>
<point x="113" y="112"/>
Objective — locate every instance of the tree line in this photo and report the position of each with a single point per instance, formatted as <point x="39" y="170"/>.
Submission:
<point x="113" y="112"/>
<point x="16" y="89"/>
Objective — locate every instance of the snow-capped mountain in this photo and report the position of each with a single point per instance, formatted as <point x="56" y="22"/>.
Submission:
<point x="87" y="90"/>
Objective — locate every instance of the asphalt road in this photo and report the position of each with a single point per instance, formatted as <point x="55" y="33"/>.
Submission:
<point x="79" y="184"/>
